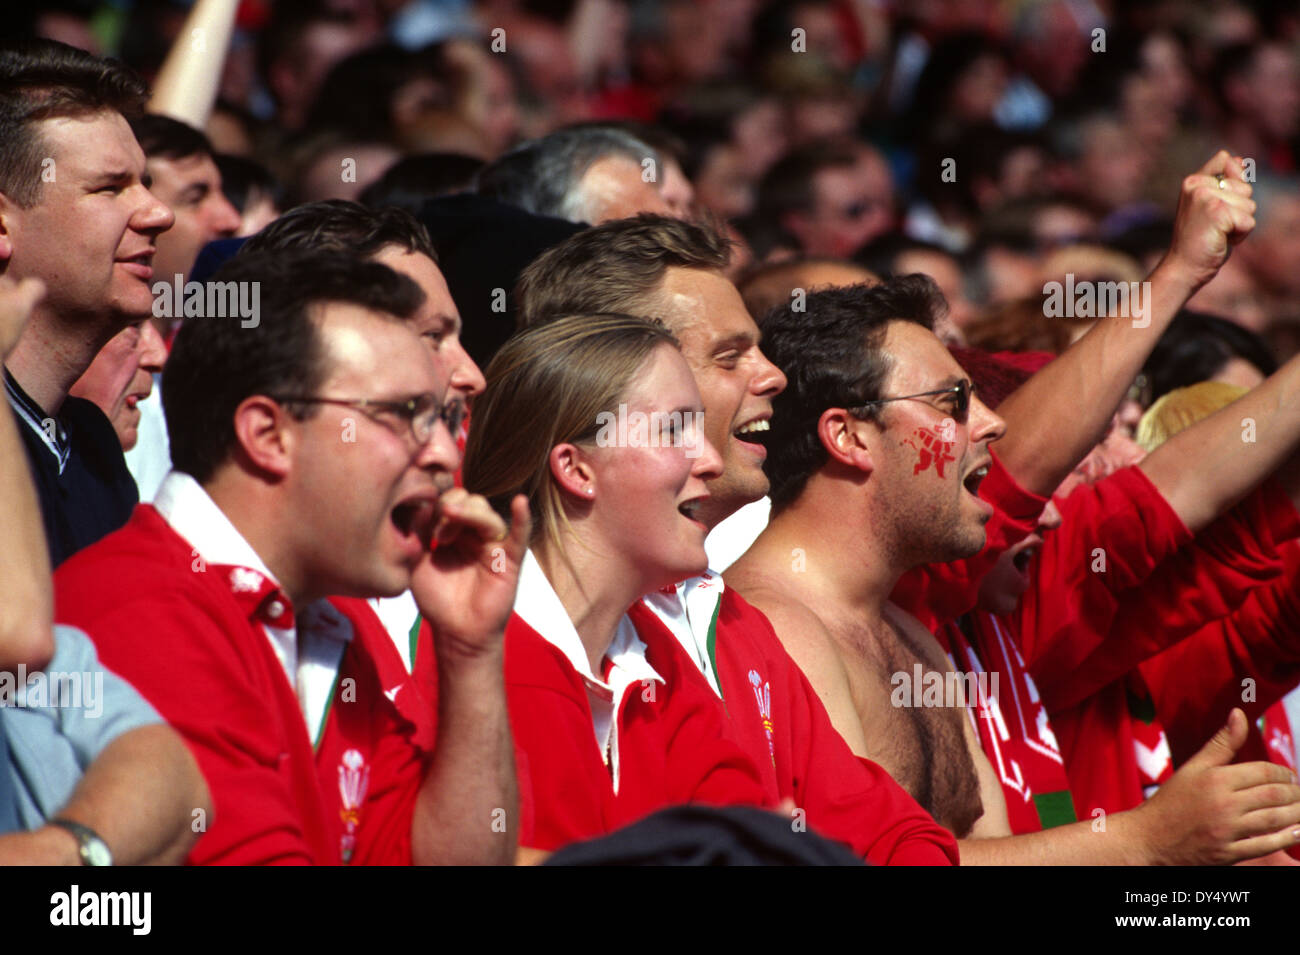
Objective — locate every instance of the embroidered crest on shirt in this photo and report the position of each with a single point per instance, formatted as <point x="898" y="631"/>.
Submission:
<point x="763" y="693"/>
<point x="354" y="780"/>
<point x="243" y="580"/>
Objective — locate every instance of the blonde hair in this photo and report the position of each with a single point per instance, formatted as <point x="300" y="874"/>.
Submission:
<point x="548" y="385"/>
<point x="1182" y="408"/>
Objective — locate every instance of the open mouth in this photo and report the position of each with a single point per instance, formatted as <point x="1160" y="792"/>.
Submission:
<point x="414" y="517"/>
<point x="754" y="432"/>
<point x="691" y="509"/>
<point x="1023" y="559"/>
<point x="975" y="479"/>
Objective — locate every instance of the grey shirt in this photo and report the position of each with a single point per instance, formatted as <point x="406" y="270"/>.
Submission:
<point x="60" y="721"/>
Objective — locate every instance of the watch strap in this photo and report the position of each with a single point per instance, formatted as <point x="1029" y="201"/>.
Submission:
<point x="93" y="850"/>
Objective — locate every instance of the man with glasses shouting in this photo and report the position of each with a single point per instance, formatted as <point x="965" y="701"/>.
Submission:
<point x="313" y="458"/>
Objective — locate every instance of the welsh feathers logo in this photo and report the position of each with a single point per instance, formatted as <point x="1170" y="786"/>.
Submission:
<point x="354" y="780"/>
<point x="763" y="694"/>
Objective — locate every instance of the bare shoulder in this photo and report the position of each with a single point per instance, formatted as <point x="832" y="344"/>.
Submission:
<point x="808" y="640"/>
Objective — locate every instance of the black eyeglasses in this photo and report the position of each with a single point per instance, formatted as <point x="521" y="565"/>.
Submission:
<point x="421" y="413"/>
<point x="961" y="393"/>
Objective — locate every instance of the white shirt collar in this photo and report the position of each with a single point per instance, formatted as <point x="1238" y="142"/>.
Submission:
<point x="538" y="605"/>
<point x="183" y="504"/>
<point x="689" y="611"/>
<point x="310" y="651"/>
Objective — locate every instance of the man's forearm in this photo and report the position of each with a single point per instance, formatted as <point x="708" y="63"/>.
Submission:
<point x="467" y="812"/>
<point x="1059" y="414"/>
<point x="1205" y="469"/>
<point x="1075" y="844"/>
<point x="143" y="797"/>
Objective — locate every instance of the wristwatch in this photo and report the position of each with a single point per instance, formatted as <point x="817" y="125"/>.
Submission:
<point x="93" y="850"/>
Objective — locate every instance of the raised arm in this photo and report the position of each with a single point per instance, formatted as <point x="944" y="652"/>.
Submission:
<point x="1205" y="469"/>
<point x="1056" y="417"/>
<point x="187" y="84"/>
<point x="465" y="590"/>
<point x="26" y="595"/>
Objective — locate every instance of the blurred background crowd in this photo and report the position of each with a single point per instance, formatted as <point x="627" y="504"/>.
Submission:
<point x="996" y="146"/>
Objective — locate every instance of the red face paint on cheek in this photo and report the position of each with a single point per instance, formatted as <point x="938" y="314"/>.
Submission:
<point x="933" y="450"/>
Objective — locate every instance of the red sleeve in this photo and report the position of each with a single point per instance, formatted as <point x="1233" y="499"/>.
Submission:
<point x="1203" y="582"/>
<point x="1113" y="535"/>
<point x="230" y="714"/>
<point x="937" y="593"/>
<point x="1196" y="683"/>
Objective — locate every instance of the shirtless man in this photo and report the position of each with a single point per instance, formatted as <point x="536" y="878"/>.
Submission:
<point x="876" y="453"/>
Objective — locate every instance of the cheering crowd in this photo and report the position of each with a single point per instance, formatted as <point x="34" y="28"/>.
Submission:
<point x="603" y="431"/>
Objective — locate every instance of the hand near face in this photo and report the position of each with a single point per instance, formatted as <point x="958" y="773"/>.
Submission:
<point x="465" y="587"/>
<point x="1211" y="219"/>
<point x="17" y="299"/>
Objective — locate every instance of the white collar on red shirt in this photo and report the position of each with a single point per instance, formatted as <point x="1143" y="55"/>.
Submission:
<point x="311" y="651"/>
<point x="689" y="610"/>
<point x="538" y="605"/>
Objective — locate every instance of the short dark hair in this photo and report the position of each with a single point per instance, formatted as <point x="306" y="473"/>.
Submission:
<point x="788" y="185"/>
<point x="831" y="355"/>
<point x="216" y="363"/>
<point x="413" y="180"/>
<point x="242" y="178"/>
<point x="615" y="266"/>
<point x="43" y="79"/>
<point x="1196" y="346"/>
<point x="340" y="225"/>
<point x="162" y="137"/>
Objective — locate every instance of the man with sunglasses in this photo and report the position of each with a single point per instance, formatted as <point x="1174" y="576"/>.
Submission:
<point x="868" y="482"/>
<point x="875" y="458"/>
<point x="313" y="459"/>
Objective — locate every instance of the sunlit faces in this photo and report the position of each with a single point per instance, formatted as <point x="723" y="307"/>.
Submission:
<point x="927" y="463"/>
<point x="91" y="234"/>
<point x="720" y="343"/>
<point x="191" y="187"/>
<point x="121" y="376"/>
<point x="645" y="498"/>
<point x="364" y="492"/>
<point x="438" y="321"/>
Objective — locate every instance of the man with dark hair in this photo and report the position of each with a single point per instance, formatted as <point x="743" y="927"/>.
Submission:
<point x="314" y="458"/>
<point x="75" y="211"/>
<point x="183" y="173"/>
<point x="831" y="197"/>
<point x="876" y="451"/>
<point x="674" y="271"/>
<point x="391" y="237"/>
<point x="581" y="173"/>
